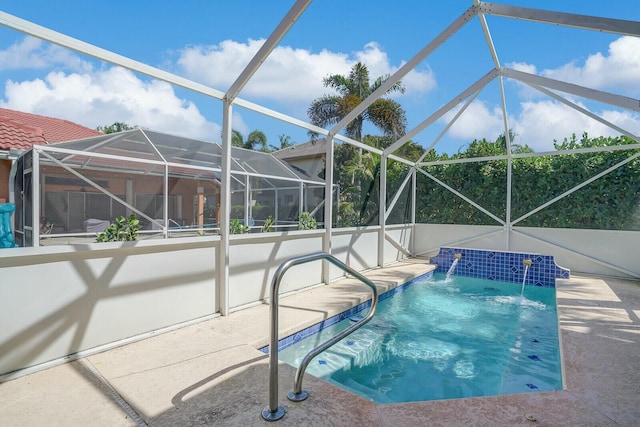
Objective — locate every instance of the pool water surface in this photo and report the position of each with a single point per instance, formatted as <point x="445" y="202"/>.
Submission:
<point x="444" y="338"/>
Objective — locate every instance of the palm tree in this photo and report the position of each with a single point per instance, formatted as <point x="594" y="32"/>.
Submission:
<point x="285" y="142"/>
<point x="358" y="169"/>
<point x="255" y="139"/>
<point x="386" y="114"/>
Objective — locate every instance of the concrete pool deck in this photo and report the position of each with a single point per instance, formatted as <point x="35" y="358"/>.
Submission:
<point x="211" y="373"/>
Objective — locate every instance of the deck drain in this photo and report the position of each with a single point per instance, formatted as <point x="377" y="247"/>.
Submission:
<point x="114" y="394"/>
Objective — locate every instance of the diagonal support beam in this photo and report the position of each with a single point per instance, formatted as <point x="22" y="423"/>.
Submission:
<point x="462" y="196"/>
<point x="43" y="33"/>
<point x="574" y="89"/>
<point x="406" y="68"/>
<point x="472" y="90"/>
<point x="586" y="22"/>
<point x="265" y="50"/>
<point x="577" y="187"/>
<point x="586" y="112"/>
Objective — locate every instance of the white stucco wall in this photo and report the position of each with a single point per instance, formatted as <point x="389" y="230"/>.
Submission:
<point x="59" y="300"/>
<point x="254" y="258"/>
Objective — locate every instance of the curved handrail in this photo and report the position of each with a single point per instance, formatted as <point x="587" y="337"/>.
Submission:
<point x="274" y="412"/>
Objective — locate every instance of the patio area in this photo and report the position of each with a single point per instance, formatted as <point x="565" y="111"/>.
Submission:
<point x="211" y="373"/>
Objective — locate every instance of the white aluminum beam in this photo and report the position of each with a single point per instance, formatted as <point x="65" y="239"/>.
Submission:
<point x="414" y="195"/>
<point x="448" y="126"/>
<point x="585" y="112"/>
<point x="60" y="39"/>
<point x="382" y="209"/>
<point x="222" y="279"/>
<point x="328" y="206"/>
<point x="536" y="154"/>
<point x="265" y="50"/>
<point x="43" y="33"/>
<point x="465" y="160"/>
<point x="401" y="160"/>
<point x="577" y="187"/>
<point x="487" y="36"/>
<point x="578" y="151"/>
<point x="462" y="196"/>
<point x="406" y="68"/>
<point x="470" y="91"/>
<point x="586" y="22"/>
<point x="574" y="89"/>
<point x="36" y="197"/>
<point x="397" y="195"/>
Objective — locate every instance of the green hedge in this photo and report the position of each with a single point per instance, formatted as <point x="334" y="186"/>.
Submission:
<point x="610" y="202"/>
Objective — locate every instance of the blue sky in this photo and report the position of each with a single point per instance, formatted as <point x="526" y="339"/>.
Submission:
<point x="211" y="42"/>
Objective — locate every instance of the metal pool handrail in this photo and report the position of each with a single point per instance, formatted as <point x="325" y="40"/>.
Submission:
<point x="274" y="412"/>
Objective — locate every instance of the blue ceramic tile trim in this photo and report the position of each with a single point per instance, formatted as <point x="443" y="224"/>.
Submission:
<point x="501" y="266"/>
<point x="314" y="329"/>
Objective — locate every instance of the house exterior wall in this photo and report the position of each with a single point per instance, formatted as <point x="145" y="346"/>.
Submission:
<point x="313" y="166"/>
<point x="182" y="193"/>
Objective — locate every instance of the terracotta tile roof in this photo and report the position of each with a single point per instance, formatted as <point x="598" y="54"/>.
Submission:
<point x="23" y="130"/>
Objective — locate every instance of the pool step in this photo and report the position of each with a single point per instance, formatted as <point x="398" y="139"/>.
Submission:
<point x="361" y="348"/>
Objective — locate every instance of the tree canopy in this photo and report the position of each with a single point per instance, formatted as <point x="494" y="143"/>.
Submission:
<point x="115" y="127"/>
<point x="384" y="113"/>
<point x="256" y="139"/>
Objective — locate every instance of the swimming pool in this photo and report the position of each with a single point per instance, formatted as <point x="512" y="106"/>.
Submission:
<point x="444" y="338"/>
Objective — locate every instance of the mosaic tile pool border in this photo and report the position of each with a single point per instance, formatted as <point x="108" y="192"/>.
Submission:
<point x="314" y="329"/>
<point x="501" y="266"/>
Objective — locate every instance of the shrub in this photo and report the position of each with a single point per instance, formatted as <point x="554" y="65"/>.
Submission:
<point x="235" y="227"/>
<point x="268" y="224"/>
<point x="307" y="222"/>
<point x="122" y="230"/>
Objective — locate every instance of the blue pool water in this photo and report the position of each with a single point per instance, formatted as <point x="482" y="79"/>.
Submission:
<point x="445" y="338"/>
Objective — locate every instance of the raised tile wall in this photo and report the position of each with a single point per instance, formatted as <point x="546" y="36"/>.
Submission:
<point x="502" y="266"/>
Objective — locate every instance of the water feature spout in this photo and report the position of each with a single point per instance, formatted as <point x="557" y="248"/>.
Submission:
<point x="527" y="263"/>
<point x="456" y="258"/>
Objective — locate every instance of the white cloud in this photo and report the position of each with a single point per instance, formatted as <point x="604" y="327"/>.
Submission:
<point x="107" y="96"/>
<point x="289" y="75"/>
<point x="617" y="72"/>
<point x="539" y="123"/>
<point x="33" y="53"/>
<point x="81" y="91"/>
<point x="477" y="121"/>
<point x="541" y="120"/>
<point x="522" y="66"/>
